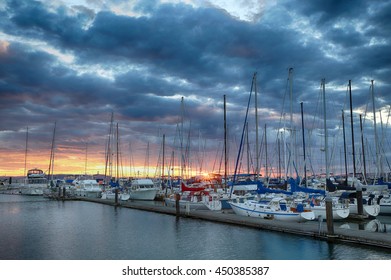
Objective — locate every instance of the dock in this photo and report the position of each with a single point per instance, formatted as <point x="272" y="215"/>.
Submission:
<point x="311" y="229"/>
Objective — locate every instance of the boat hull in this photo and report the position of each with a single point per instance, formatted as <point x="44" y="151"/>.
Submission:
<point x="214" y="205"/>
<point x="35" y="191"/>
<point x="143" y="194"/>
<point x="258" y="210"/>
<point x="385" y="206"/>
<point x="338" y="213"/>
<point x="370" y="210"/>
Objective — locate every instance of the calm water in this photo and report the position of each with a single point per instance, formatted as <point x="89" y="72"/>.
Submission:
<point x="36" y="228"/>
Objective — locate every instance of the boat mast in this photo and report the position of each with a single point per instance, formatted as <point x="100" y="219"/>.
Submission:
<point x="326" y="139"/>
<point x="291" y="121"/>
<point x="51" y="161"/>
<point x="284" y="143"/>
<point x="266" y="163"/>
<point x="108" y="148"/>
<point x="25" y="153"/>
<point x="225" y="143"/>
<point x="363" y="150"/>
<point x="279" y="155"/>
<point x="256" y="127"/>
<point x="344" y="148"/>
<point x="378" y="171"/>
<point x="181" y="137"/>
<point x="117" y="169"/>
<point x="358" y="187"/>
<point x="247" y="150"/>
<point x="351" y="126"/>
<point x="302" y="129"/>
<point x="164" y="145"/>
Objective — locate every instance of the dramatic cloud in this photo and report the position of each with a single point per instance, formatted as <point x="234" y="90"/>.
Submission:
<point x="76" y="62"/>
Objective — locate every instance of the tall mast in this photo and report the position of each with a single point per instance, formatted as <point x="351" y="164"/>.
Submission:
<point x="266" y="163"/>
<point x="108" y="148"/>
<point x="164" y="145"/>
<point x="181" y="137"/>
<point x="363" y="150"/>
<point x="302" y="129"/>
<point x="25" y="153"/>
<point x="225" y="142"/>
<point x="279" y="155"/>
<point x="247" y="150"/>
<point x="256" y="127"/>
<point x="51" y="163"/>
<point x="291" y="120"/>
<point x="286" y="164"/>
<point x="117" y="174"/>
<point x="344" y="147"/>
<point x="326" y="143"/>
<point x="378" y="171"/>
<point x="351" y="125"/>
<point x="381" y="145"/>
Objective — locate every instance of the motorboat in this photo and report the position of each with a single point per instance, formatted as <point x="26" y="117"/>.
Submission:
<point x="142" y="189"/>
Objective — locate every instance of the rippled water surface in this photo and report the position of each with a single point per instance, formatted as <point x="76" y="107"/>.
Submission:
<point x="37" y="228"/>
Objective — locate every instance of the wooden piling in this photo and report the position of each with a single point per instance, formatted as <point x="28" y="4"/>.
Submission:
<point x="329" y="216"/>
<point x="360" y="207"/>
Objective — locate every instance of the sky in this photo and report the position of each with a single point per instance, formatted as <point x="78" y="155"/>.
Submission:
<point x="71" y="65"/>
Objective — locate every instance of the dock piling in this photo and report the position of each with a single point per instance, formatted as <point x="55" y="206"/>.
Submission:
<point x="329" y="216"/>
<point x="360" y="207"/>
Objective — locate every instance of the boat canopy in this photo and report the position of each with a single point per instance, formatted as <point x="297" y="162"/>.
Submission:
<point x="296" y="188"/>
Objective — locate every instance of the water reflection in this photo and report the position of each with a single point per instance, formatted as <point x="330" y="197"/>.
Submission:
<point x="44" y="229"/>
<point x="374" y="225"/>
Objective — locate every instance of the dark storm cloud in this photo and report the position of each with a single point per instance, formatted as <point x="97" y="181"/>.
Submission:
<point x="139" y="67"/>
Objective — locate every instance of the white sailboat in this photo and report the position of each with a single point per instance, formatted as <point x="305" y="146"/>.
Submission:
<point x="339" y="210"/>
<point x="277" y="208"/>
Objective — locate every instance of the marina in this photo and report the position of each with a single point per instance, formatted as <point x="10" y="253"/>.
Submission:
<point x="91" y="228"/>
<point x="378" y="237"/>
<point x="195" y="130"/>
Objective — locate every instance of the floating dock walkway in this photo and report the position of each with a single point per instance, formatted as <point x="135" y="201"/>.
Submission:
<point x="313" y="229"/>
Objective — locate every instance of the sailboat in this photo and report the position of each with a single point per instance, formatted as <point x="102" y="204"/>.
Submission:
<point x="316" y="197"/>
<point x="278" y="208"/>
